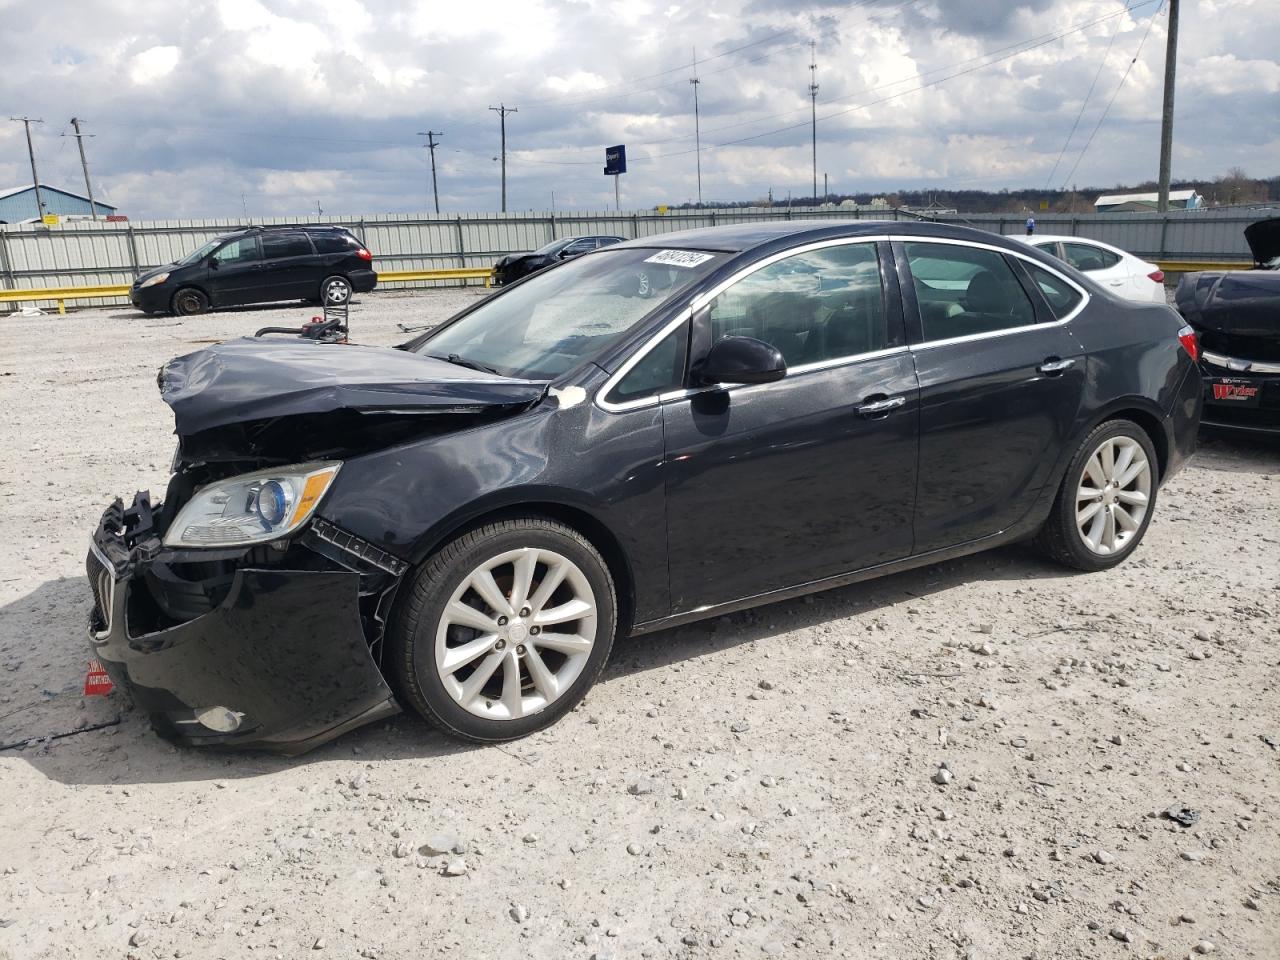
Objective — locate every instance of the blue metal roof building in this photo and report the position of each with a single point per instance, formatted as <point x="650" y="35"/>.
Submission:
<point x="19" y="203"/>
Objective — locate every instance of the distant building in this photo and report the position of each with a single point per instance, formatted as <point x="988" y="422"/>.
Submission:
<point x="1146" y="202"/>
<point x="18" y="204"/>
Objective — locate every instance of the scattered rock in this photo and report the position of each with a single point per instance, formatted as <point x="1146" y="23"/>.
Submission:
<point x="1205" y="946"/>
<point x="440" y="843"/>
<point x="518" y="912"/>
<point x="1103" y="857"/>
<point x="633" y="848"/>
<point x="942" y="776"/>
<point x="1121" y="934"/>
<point x="457" y="867"/>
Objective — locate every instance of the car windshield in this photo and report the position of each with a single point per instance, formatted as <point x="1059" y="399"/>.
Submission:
<point x="555" y="246"/>
<point x="555" y="320"/>
<point x="203" y="252"/>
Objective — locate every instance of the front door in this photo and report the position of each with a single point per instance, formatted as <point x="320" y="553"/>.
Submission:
<point x="775" y="485"/>
<point x="1001" y="380"/>
<point x="234" y="271"/>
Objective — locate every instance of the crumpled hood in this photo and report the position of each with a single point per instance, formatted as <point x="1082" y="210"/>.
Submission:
<point x="1263" y="238"/>
<point x="252" y="379"/>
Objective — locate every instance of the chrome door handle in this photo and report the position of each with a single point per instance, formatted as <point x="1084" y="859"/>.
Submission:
<point x="874" y="407"/>
<point x="1055" y="366"/>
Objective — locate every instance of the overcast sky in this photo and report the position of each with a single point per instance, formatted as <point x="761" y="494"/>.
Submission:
<point x="287" y="104"/>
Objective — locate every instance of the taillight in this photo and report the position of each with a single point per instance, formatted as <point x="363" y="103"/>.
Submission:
<point x="1190" y="342"/>
<point x="1157" y="276"/>
<point x="364" y="254"/>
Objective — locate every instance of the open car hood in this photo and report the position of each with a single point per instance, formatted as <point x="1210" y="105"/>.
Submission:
<point x="1263" y="238"/>
<point x="252" y="380"/>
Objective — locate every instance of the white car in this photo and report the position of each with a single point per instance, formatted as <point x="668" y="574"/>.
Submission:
<point x="1124" y="274"/>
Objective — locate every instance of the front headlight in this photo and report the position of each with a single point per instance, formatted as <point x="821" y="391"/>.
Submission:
<point x="152" y="281"/>
<point x="252" y="508"/>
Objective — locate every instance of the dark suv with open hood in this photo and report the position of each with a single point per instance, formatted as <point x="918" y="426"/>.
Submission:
<point x="260" y="265"/>
<point x="1236" y="314"/>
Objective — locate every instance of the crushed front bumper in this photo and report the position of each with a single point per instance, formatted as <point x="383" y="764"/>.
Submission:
<point x="279" y="663"/>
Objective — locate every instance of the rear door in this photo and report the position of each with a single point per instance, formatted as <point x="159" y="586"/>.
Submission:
<point x="235" y="271"/>
<point x="777" y="484"/>
<point x="1001" y="381"/>
<point x="290" y="268"/>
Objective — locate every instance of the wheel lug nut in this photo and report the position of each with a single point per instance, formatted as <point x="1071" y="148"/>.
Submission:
<point x="502" y="621"/>
<point x="535" y="630"/>
<point x="500" y="645"/>
<point x="524" y="611"/>
<point x="520" y="649"/>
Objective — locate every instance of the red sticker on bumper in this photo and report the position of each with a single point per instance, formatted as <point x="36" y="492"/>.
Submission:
<point x="96" y="682"/>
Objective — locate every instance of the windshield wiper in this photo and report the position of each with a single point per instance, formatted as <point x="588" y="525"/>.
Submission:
<point x="464" y="362"/>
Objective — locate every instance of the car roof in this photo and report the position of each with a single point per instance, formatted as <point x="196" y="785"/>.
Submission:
<point x="739" y="237"/>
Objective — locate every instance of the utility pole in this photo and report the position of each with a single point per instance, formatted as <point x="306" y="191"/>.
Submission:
<point x="431" y="145"/>
<point x="502" y="110"/>
<point x="84" y="165"/>
<point x="1166" y="121"/>
<point x="697" y="125"/>
<point x="31" y="152"/>
<point x="813" y="103"/>
<point x="826" y="191"/>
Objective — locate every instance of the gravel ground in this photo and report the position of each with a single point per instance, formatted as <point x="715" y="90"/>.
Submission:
<point x="763" y="784"/>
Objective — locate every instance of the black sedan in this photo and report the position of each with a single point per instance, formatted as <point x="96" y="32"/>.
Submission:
<point x="663" y="431"/>
<point x="1236" y="314"/>
<point x="511" y="268"/>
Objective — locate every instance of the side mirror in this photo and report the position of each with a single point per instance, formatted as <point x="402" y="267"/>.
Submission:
<point x="741" y="360"/>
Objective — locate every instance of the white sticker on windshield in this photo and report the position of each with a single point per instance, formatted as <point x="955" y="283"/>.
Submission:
<point x="679" y="258"/>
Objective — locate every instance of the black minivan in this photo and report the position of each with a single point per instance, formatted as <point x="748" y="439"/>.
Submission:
<point x="322" y="265"/>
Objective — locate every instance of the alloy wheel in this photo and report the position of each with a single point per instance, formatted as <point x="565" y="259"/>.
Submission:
<point x="1113" y="496"/>
<point x="337" y="291"/>
<point x="516" y="634"/>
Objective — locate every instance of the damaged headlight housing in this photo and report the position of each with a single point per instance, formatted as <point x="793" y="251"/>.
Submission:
<point x="152" y="281"/>
<point x="252" y="508"/>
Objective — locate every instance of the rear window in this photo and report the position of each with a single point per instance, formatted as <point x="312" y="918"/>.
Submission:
<point x="1086" y="257"/>
<point x="334" y="242"/>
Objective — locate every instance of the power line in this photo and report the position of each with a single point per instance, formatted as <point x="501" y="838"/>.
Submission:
<point x="1119" y="87"/>
<point x="1085" y="103"/>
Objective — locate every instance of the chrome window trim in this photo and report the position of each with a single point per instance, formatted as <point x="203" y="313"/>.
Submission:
<point x="702" y="300"/>
<point x="1224" y="362"/>
<point x="972" y="337"/>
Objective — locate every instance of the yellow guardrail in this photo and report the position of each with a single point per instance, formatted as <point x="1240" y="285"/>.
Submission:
<point x="62" y="294"/>
<point x="1192" y="266"/>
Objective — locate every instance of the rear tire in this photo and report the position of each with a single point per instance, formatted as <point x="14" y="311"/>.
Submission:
<point x="189" y="301"/>
<point x="503" y="630"/>
<point x="1106" y="500"/>
<point x="335" y="291"/>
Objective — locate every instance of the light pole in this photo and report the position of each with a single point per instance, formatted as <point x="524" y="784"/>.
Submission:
<point x="1166" y="120"/>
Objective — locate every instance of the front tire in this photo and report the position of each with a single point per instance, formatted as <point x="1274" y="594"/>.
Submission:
<point x="503" y="630"/>
<point x="1106" y="499"/>
<point x="189" y="301"/>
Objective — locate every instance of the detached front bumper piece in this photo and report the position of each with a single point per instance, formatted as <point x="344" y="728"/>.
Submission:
<point x="278" y="661"/>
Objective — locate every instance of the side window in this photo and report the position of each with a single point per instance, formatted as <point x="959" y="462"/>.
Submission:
<point x="577" y="247"/>
<point x="965" y="290"/>
<point x="660" y="370"/>
<point x="1085" y="257"/>
<point x="279" y="245"/>
<point x="1062" y="297"/>
<point x="238" y="251"/>
<point x="607" y="241"/>
<point x="821" y="305"/>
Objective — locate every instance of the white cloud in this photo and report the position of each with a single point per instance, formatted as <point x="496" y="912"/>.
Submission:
<point x="154" y="63"/>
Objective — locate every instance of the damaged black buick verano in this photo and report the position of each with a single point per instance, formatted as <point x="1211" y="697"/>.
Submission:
<point x="660" y="431"/>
